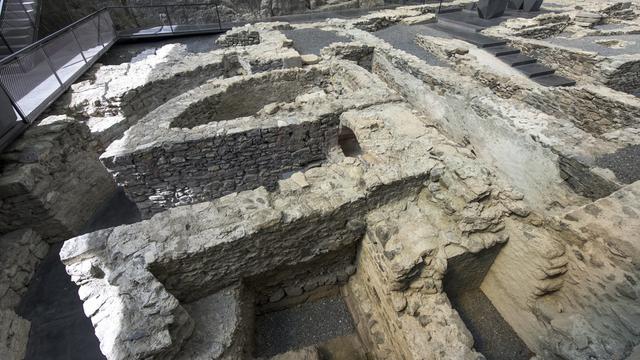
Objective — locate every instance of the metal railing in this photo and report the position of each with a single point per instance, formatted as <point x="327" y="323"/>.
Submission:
<point x="34" y="77"/>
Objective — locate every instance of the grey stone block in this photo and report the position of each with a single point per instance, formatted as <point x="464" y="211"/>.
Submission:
<point x="516" y="4"/>
<point x="489" y="9"/>
<point x="532" y="5"/>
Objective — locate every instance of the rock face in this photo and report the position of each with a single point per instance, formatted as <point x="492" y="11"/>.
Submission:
<point x="20" y="253"/>
<point x="52" y="181"/>
<point x="14" y="334"/>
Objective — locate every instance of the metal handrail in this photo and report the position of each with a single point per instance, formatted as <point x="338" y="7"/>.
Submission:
<point x="106" y="8"/>
<point x="32" y="66"/>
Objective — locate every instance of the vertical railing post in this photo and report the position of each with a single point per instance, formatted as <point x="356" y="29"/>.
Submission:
<point x="79" y="45"/>
<point x="6" y="43"/>
<point x="218" y="15"/>
<point x="14" y="104"/>
<point x="166" y="9"/>
<point x="99" y="34"/>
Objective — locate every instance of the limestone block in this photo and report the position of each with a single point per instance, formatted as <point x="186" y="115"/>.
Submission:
<point x="310" y="59"/>
<point x="418" y="20"/>
<point x="308" y="353"/>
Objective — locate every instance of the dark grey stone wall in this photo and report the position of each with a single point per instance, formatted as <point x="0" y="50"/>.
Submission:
<point x="191" y="172"/>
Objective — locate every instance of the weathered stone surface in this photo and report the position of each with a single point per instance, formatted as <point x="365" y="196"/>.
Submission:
<point x="159" y="171"/>
<point x="14" y="334"/>
<point x="242" y="36"/>
<point x="51" y="180"/>
<point x="222" y="326"/>
<point x="308" y="353"/>
<point x="20" y="253"/>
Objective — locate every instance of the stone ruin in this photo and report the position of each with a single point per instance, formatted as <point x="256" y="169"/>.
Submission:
<point x="456" y="208"/>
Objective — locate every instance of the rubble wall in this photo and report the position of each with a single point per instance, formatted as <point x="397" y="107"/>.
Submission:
<point x="14" y="334"/>
<point x="572" y="292"/>
<point x="472" y="114"/>
<point x="52" y="180"/>
<point x="196" y="171"/>
<point x="20" y="254"/>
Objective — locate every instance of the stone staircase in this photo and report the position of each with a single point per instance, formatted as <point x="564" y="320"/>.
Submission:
<point x="455" y="26"/>
<point x="17" y="25"/>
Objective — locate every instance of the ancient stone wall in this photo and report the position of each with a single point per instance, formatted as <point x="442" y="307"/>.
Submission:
<point x="14" y="334"/>
<point x="218" y="162"/>
<point x="237" y="134"/>
<point x="239" y="37"/>
<point x="20" y="253"/>
<point x="470" y="114"/>
<point x="286" y="287"/>
<point x="201" y="170"/>
<point x="572" y="293"/>
<point x="625" y="77"/>
<point x="128" y="92"/>
<point x="52" y="180"/>
<point x="588" y="109"/>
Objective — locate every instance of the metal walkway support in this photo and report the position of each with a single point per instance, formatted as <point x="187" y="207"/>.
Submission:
<point x="32" y="78"/>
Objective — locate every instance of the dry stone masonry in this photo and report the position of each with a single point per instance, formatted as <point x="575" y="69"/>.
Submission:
<point x="458" y="210"/>
<point x="20" y="253"/>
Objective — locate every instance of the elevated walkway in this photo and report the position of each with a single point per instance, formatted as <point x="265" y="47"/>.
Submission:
<point x="32" y="78"/>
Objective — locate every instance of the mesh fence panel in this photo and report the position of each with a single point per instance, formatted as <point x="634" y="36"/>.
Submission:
<point x="65" y="55"/>
<point x="87" y="35"/>
<point x="29" y="80"/>
<point x="107" y="28"/>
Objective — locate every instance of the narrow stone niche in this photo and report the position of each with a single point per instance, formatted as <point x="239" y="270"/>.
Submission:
<point x="282" y="311"/>
<point x="493" y="336"/>
<point x="301" y="306"/>
<point x="348" y="142"/>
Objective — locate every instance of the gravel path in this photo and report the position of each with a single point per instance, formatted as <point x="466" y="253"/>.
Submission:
<point x="311" y="41"/>
<point x="303" y="325"/>
<point x="402" y="37"/>
<point x="493" y="336"/>
<point x="625" y="163"/>
<point x="588" y="43"/>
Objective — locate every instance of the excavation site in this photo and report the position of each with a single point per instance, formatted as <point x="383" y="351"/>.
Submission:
<point x="320" y="180"/>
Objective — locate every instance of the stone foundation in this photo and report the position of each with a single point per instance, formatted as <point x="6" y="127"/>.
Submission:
<point x="52" y="181"/>
<point x="234" y="135"/>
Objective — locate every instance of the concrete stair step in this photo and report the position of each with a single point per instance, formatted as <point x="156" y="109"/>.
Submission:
<point x="517" y="59"/>
<point x="447" y="9"/>
<point x="535" y="70"/>
<point x="472" y="37"/>
<point x="17" y="22"/>
<point x="460" y="24"/>
<point x="502" y="50"/>
<point x="554" y="80"/>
